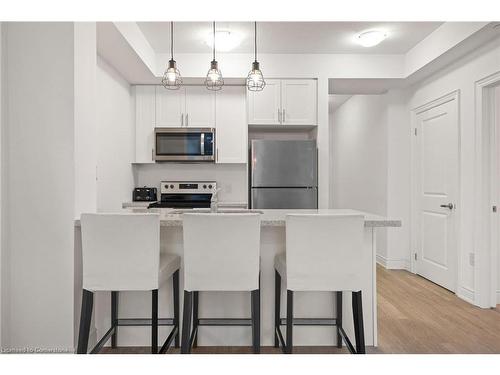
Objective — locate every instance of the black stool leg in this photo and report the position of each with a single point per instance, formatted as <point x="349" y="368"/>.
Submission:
<point x="255" y="303"/>
<point x="114" y="318"/>
<point x="85" y="319"/>
<point x="277" y="307"/>
<point x="359" y="332"/>
<point x="289" y="322"/>
<point x="338" y="296"/>
<point x="176" y="307"/>
<point x="196" y="300"/>
<point x="154" y="321"/>
<point x="186" y="322"/>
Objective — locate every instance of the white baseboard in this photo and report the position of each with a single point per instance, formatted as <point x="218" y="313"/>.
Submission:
<point x="393" y="264"/>
<point x="466" y="294"/>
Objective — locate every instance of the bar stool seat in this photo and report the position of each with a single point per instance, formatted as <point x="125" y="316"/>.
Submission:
<point x="221" y="253"/>
<point x="121" y="252"/>
<point x="323" y="253"/>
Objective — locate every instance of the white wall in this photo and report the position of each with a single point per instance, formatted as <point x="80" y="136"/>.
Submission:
<point x="39" y="184"/>
<point x="115" y="138"/>
<point x="360" y="158"/>
<point x="85" y="118"/>
<point x="497" y="119"/>
<point x="231" y="178"/>
<point x="1" y="210"/>
<point x="462" y="76"/>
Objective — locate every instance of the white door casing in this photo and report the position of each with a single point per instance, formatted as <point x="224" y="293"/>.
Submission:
<point x="436" y="187"/>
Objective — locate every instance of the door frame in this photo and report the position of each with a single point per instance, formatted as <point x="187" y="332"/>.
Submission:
<point x="414" y="180"/>
<point x="486" y="231"/>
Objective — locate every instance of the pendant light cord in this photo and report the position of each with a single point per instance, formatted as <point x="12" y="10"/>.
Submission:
<point x="214" y="40"/>
<point x="255" y="35"/>
<point x="171" y="40"/>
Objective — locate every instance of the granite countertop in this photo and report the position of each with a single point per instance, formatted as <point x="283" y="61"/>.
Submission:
<point x="273" y="218"/>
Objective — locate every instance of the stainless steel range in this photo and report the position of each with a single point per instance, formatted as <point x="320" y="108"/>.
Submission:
<point x="185" y="194"/>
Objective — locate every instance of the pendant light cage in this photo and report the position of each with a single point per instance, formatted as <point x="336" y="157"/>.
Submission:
<point x="172" y="79"/>
<point x="214" y="80"/>
<point x="255" y="78"/>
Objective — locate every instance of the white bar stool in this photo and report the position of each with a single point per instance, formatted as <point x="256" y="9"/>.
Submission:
<point x="221" y="253"/>
<point x="322" y="254"/>
<point x="121" y="252"/>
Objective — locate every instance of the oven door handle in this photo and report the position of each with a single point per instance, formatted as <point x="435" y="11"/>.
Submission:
<point x="202" y="144"/>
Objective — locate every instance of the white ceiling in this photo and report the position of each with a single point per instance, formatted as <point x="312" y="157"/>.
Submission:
<point x="289" y="37"/>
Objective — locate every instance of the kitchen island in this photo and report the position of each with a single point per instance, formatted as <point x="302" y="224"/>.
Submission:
<point x="237" y="304"/>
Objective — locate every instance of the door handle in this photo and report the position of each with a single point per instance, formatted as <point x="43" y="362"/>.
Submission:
<point x="450" y="206"/>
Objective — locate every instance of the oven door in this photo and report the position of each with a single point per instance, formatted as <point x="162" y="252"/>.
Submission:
<point x="184" y="144"/>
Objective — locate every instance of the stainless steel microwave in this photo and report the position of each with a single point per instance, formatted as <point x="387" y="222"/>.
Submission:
<point x="185" y="144"/>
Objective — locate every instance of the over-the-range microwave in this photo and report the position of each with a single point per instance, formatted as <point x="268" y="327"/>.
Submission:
<point x="185" y="144"/>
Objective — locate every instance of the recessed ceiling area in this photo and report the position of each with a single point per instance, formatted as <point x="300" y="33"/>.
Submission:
<point x="289" y="37"/>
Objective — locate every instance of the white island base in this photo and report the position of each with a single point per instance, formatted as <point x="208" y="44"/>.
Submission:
<point x="237" y="304"/>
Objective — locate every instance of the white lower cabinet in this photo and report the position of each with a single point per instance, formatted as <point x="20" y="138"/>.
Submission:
<point x="231" y="126"/>
<point x="144" y="123"/>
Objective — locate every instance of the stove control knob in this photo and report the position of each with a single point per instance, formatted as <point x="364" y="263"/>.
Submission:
<point x="171" y="186"/>
<point x="204" y="186"/>
<point x="166" y="186"/>
<point x="210" y="186"/>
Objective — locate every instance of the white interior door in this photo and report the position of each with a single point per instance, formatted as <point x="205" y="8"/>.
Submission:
<point x="437" y="193"/>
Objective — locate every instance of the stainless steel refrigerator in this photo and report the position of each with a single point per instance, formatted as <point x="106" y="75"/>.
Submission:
<point x="283" y="174"/>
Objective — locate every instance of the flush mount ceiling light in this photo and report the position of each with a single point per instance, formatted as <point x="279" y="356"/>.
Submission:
<point x="214" y="80"/>
<point x="224" y="39"/>
<point x="371" y="38"/>
<point x="172" y="79"/>
<point x="255" y="79"/>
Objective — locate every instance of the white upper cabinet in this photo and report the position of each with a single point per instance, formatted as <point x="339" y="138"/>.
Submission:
<point x="264" y="106"/>
<point x="298" y="102"/>
<point x="144" y="123"/>
<point x="284" y="102"/>
<point x="170" y="107"/>
<point x="200" y="107"/>
<point x="231" y="129"/>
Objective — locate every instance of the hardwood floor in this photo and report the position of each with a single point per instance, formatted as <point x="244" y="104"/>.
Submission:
<point x="414" y="316"/>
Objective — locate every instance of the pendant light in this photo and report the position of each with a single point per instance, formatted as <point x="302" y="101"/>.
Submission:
<point x="214" y="80"/>
<point x="255" y="79"/>
<point x="172" y="79"/>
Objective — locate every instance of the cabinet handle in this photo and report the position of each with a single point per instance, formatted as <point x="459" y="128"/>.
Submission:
<point x="153" y="154"/>
<point x="217" y="154"/>
<point x="279" y="116"/>
<point x="182" y="119"/>
<point x="187" y="119"/>
<point x="283" y="116"/>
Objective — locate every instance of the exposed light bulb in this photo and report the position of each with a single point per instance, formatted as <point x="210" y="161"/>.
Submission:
<point x="171" y="76"/>
<point x="371" y="38"/>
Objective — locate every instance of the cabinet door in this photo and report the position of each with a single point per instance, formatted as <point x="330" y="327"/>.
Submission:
<point x="231" y="129"/>
<point x="170" y="106"/>
<point x="200" y="107"/>
<point x="264" y="106"/>
<point x="144" y="123"/>
<point x="298" y="101"/>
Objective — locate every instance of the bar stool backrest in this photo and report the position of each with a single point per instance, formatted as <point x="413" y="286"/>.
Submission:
<point x="324" y="252"/>
<point x="221" y="252"/>
<point x="120" y="251"/>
